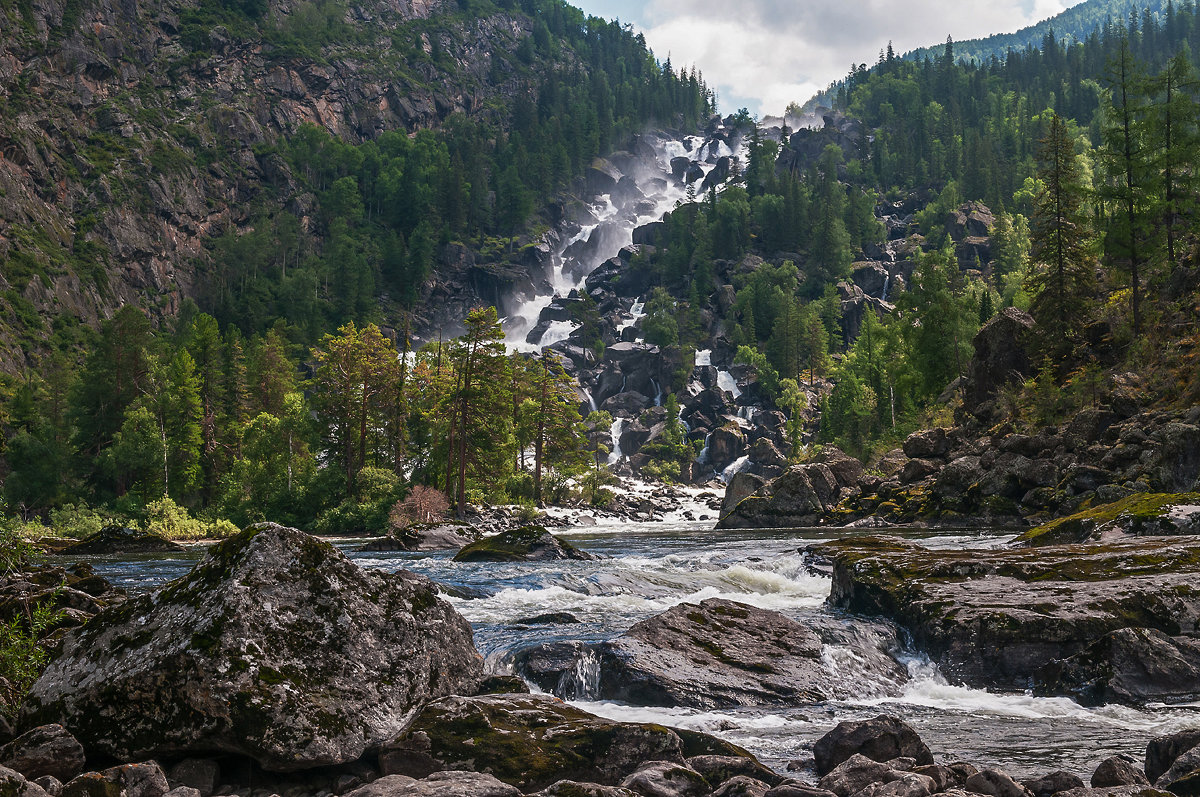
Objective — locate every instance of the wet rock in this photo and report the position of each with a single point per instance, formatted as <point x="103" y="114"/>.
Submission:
<point x="226" y="659"/>
<point x="526" y="544"/>
<point x="1162" y="751"/>
<point x="1118" y="791"/>
<point x="997" y="619"/>
<point x="666" y="779"/>
<point x="529" y="741"/>
<point x="52" y="785"/>
<point x="1053" y="783"/>
<point x="717" y="654"/>
<point x="1130" y="665"/>
<point x="549" y="618"/>
<point x="880" y="739"/>
<point x="425" y="537"/>
<point x="46" y="750"/>
<point x="1118" y="770"/>
<point x="726" y="444"/>
<point x="438" y="784"/>
<point x="799" y="497"/>
<point x="116" y="539"/>
<point x="949" y="776"/>
<point x="995" y="783"/>
<point x="797" y="789"/>
<point x="742" y="485"/>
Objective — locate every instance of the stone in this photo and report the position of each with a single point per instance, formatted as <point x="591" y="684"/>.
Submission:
<point x="528" y="741"/>
<point x="742" y="485"/>
<point x="948" y="776"/>
<point x="797" y="789"/>
<point x="741" y="786"/>
<point x="927" y="444"/>
<point x="129" y="780"/>
<point x="45" y="750"/>
<point x="1133" y="666"/>
<point x="1002" y="358"/>
<point x="14" y="783"/>
<point x="855" y="774"/>
<point x="667" y="779"/>
<point x="880" y="739"/>
<point x="1053" y="783"/>
<point x="425" y="537"/>
<point x="1118" y="791"/>
<point x="1137" y="515"/>
<point x="720" y="768"/>
<point x="115" y="539"/>
<point x="438" y="784"/>
<point x="571" y="788"/>
<point x="201" y="774"/>
<point x="719" y="654"/>
<point x="183" y="791"/>
<point x="1118" y="770"/>
<point x="52" y="785"/>
<point x="995" y="783"/>
<point x="1183" y="777"/>
<point x="1000" y="619"/>
<point x="276" y="646"/>
<point x="526" y="544"/>
<point x="1162" y="751"/>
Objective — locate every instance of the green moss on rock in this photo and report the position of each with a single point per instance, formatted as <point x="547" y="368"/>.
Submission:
<point x="1141" y="514"/>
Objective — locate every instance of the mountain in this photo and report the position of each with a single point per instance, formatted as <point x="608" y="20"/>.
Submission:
<point x="226" y="151"/>
<point x="1074" y="24"/>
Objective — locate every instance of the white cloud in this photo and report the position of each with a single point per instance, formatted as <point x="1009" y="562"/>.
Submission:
<point x="766" y="53"/>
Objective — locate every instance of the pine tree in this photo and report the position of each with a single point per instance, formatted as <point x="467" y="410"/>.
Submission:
<point x="1062" y="279"/>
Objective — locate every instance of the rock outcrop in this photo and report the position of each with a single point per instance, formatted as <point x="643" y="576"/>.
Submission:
<point x="275" y="646"/>
<point x="1012" y="619"/>
<point x="802" y="496"/>
<point x="121" y="540"/>
<point x="425" y="537"/>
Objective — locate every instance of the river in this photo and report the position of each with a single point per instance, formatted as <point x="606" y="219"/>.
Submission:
<point x="649" y="567"/>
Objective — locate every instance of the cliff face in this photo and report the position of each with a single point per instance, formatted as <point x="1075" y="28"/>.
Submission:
<point x="132" y="130"/>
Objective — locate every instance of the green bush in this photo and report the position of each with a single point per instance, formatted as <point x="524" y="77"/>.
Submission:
<point x="22" y="655"/>
<point x="79" y="521"/>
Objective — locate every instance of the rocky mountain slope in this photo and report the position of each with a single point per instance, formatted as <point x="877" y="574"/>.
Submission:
<point x="131" y="133"/>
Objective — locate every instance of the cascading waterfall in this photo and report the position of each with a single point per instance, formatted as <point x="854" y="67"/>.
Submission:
<point x="886" y="281"/>
<point x="583" y="682"/>
<point x="615" y="454"/>
<point x="726" y="382"/>
<point x="736" y="467"/>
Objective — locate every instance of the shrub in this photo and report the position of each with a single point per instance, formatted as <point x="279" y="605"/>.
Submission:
<point x="421" y="505"/>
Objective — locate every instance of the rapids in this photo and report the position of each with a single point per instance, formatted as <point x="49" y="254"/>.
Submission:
<point x="648" y="567"/>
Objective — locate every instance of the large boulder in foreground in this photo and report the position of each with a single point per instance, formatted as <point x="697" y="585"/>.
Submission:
<point x="533" y="741"/>
<point x="526" y="544"/>
<point x="1008" y="619"/>
<point x="275" y="646"/>
<point x="880" y="739"/>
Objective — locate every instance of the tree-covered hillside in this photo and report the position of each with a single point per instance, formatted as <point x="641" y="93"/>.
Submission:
<point x="1075" y="24"/>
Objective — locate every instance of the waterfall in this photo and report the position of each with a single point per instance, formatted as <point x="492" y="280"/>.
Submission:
<point x="703" y="457"/>
<point x="615" y="454"/>
<point x="726" y="382"/>
<point x="591" y="400"/>
<point x="637" y="312"/>
<point x="557" y="332"/>
<point x="738" y="465"/>
<point x="583" y="682"/>
<point x="886" y="281"/>
<point x="703" y="357"/>
<point x="658" y="393"/>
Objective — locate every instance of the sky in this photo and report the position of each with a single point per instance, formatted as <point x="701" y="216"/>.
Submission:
<point x="764" y="54"/>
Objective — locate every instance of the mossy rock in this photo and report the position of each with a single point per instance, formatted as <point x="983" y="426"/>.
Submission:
<point x="116" y="539"/>
<point x="525" y="544"/>
<point x="1138" y="515"/>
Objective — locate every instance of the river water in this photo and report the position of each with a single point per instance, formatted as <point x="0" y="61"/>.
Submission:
<point x="647" y="568"/>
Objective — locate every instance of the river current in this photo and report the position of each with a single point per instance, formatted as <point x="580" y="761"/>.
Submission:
<point x="647" y="568"/>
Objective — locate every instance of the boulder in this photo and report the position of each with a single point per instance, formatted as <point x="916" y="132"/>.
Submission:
<point x="719" y="654"/>
<point x="725" y="445"/>
<point x="1002" y="357"/>
<point x="1183" y="777"/>
<point x="742" y="484"/>
<point x="721" y="768"/>
<point x="666" y="779"/>
<point x="46" y="750"/>
<point x="425" y="537"/>
<point x="798" y="497"/>
<point x="880" y="739"/>
<point x="439" y="784"/>
<point x="1000" y="619"/>
<point x="742" y="786"/>
<point x="201" y="774"/>
<point x="1053" y="783"/>
<point x="531" y="742"/>
<point x="571" y="788"/>
<point x="127" y="780"/>
<point x="1118" y="770"/>
<point x="275" y="646"/>
<point x="1133" y="666"/>
<point x="855" y="774"/>
<point x="526" y="544"/>
<point x="115" y="539"/>
<point x="995" y="783"/>
<point x="798" y="789"/>
<point x="1162" y="751"/>
<point x="927" y="444"/>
